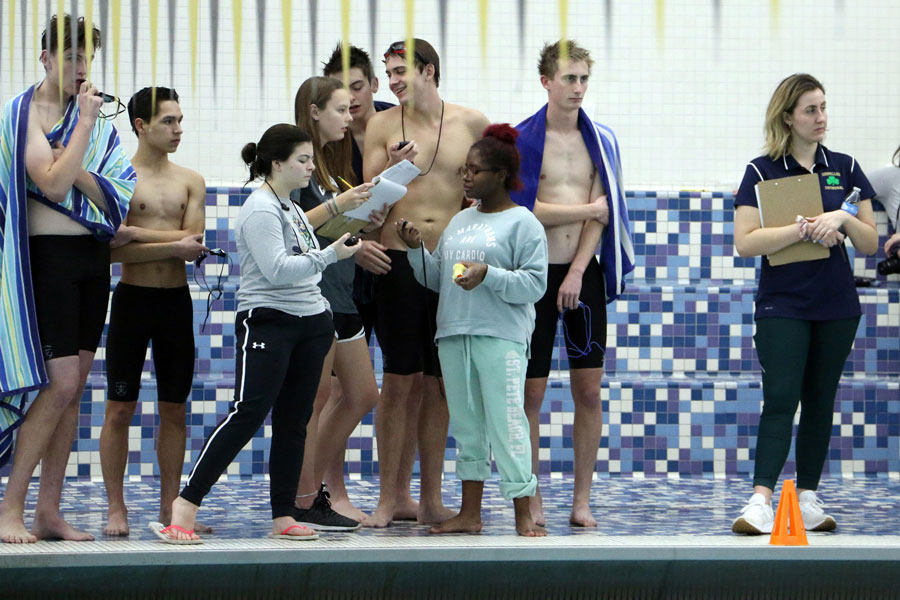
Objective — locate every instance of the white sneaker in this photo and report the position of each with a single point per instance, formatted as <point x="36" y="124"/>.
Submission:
<point x="756" y="518"/>
<point x="814" y="517"/>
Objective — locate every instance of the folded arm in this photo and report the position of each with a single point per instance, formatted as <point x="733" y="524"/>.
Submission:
<point x="188" y="248"/>
<point x="860" y="228"/>
<point x="56" y="171"/>
<point x="193" y="223"/>
<point x="752" y="239"/>
<point x="562" y="214"/>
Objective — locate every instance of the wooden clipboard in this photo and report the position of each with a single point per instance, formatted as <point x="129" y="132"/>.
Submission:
<point x="338" y="225"/>
<point x="780" y="201"/>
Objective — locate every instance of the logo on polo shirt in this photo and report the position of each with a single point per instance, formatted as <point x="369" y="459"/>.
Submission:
<point x="832" y="180"/>
<point x="258" y="345"/>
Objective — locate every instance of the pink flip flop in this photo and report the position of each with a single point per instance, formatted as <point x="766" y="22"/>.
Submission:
<point x="162" y="532"/>
<point x="284" y="535"/>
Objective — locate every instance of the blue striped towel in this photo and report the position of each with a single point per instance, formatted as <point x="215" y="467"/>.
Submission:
<point x="615" y="249"/>
<point x="21" y="362"/>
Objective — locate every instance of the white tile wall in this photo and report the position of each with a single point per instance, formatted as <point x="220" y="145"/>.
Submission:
<point x="687" y="107"/>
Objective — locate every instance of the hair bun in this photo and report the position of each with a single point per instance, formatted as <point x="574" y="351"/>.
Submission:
<point x="248" y="153"/>
<point x="503" y="131"/>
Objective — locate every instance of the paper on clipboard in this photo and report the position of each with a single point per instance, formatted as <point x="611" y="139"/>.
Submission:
<point x="389" y="187"/>
<point x="780" y="201"/>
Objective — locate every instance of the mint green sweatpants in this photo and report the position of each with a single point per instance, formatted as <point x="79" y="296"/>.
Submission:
<point x="485" y="382"/>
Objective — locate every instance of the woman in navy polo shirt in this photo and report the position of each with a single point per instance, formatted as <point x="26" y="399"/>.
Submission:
<point x="806" y="312"/>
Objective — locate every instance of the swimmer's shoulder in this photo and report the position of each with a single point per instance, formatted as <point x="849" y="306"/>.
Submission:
<point x="383" y="118"/>
<point x="191" y="177"/>
<point x="381" y="126"/>
<point x="177" y="175"/>
<point x="471" y="118"/>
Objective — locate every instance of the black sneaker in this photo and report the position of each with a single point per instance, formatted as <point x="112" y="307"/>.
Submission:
<point x="321" y="516"/>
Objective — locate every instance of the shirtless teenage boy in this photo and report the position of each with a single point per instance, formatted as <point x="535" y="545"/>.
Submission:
<point x="152" y="301"/>
<point x="439" y="136"/>
<point x="567" y="183"/>
<point x="69" y="197"/>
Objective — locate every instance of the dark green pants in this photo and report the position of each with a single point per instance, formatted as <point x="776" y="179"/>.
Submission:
<point x="802" y="363"/>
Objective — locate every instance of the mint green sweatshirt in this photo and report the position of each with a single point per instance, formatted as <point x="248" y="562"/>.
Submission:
<point x="513" y="245"/>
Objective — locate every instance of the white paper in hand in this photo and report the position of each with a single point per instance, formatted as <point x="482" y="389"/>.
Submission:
<point x="390" y="186"/>
<point x="403" y="172"/>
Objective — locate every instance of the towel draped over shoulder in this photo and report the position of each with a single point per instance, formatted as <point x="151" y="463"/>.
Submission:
<point x="21" y="362"/>
<point x="615" y="248"/>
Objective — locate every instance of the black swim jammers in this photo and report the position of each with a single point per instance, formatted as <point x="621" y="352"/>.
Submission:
<point x="141" y="315"/>
<point x="406" y="320"/>
<point x="70" y="277"/>
<point x="586" y="337"/>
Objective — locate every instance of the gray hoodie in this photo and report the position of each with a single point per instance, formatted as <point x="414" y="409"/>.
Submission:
<point x="514" y="246"/>
<point x="281" y="262"/>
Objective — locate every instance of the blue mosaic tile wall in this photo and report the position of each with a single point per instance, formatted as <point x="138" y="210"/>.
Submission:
<point x="681" y="394"/>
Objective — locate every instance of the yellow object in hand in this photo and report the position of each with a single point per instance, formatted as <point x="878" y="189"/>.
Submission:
<point x="458" y="270"/>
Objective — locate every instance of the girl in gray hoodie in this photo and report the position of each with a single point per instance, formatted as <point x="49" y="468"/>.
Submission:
<point x="490" y="267"/>
<point x="283" y="330"/>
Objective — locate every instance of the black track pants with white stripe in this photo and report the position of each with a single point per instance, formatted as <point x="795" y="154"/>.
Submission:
<point x="279" y="362"/>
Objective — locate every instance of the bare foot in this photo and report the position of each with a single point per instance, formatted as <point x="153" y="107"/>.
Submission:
<point x="117" y="523"/>
<point x="536" y="504"/>
<point x="12" y="530"/>
<point x="525" y="524"/>
<point x="344" y="507"/>
<point x="581" y="516"/>
<point x="382" y="517"/>
<point x="53" y="527"/>
<point x="530" y="529"/>
<point x="430" y="516"/>
<point x="406" y="509"/>
<point x="458" y="524"/>
<point x="201" y="528"/>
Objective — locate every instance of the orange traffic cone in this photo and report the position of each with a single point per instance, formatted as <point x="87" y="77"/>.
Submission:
<point x="788" y="529"/>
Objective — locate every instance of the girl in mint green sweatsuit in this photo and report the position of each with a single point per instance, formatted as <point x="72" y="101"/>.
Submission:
<point x="484" y="322"/>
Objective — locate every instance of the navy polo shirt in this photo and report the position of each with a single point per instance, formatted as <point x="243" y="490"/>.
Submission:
<point x="357" y="160"/>
<point x="814" y="290"/>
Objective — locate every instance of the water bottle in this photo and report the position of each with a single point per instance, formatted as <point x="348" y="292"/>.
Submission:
<point x="851" y="202"/>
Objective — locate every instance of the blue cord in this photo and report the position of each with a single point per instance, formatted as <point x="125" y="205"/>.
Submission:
<point x="580" y="352"/>
<point x="213" y="293"/>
